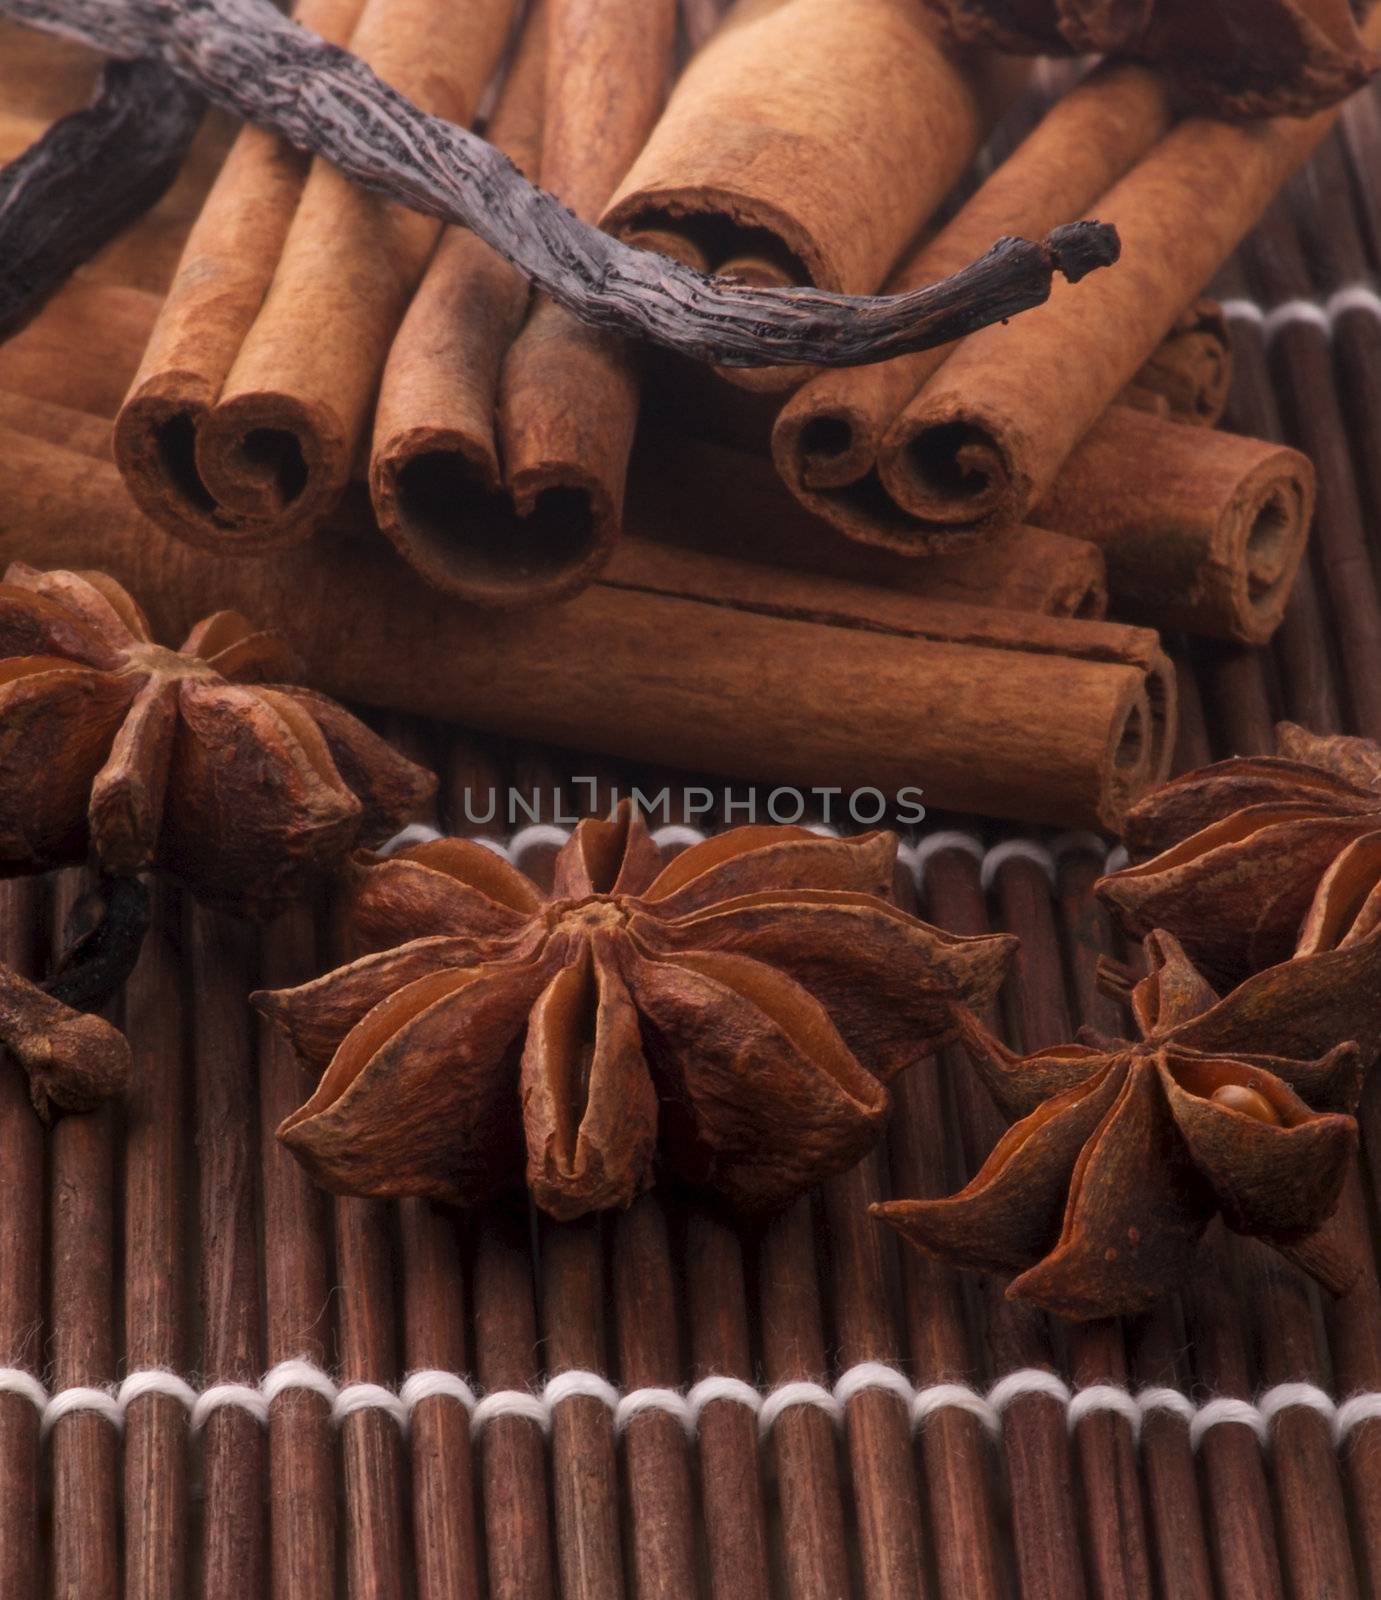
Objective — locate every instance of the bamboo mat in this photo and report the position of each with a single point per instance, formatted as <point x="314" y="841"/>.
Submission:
<point x="220" y="1382"/>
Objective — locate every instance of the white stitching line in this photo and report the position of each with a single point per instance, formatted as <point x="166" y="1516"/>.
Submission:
<point x="1325" y="316"/>
<point x="537" y="1407"/>
<point x="914" y="856"/>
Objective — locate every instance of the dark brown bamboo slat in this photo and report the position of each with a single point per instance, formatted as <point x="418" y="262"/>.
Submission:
<point x="588" y="1543"/>
<point x="218" y="951"/>
<point x="512" y="1458"/>
<point x="370" y="1446"/>
<point x="22" y="1240"/>
<point x="656" y="1452"/>
<point x="1302" y="364"/>
<point x="727" y="1438"/>
<point x="155" y="1457"/>
<point x="83" y="1447"/>
<point x="877" y="1428"/>
<point x="810" y="1511"/>
<point x="302" y="1477"/>
<point x="1115" y="1529"/>
<point x="1036" y="1449"/>
<point x="1361" y="133"/>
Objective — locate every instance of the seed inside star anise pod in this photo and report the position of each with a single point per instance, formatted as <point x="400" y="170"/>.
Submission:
<point x="1238" y="850"/>
<point x="732" y="1016"/>
<point x="198" y="760"/>
<point x="1124" y="1151"/>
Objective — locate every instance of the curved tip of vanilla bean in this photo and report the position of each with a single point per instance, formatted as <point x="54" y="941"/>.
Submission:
<point x="1078" y="248"/>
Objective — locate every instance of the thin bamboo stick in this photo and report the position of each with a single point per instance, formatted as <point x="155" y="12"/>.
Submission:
<point x="21" y="1271"/>
<point x="659" y="1493"/>
<point x="1036" y="1447"/>
<point x="234" y="1553"/>
<point x="302" y="1477"/>
<point x="84" y="1450"/>
<point x="155" y="1457"/>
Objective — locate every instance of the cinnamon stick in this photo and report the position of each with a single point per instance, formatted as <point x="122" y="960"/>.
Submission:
<point x="87" y="177"/>
<point x="986" y="437"/>
<point x="789" y="152"/>
<point x="1202" y="531"/>
<point x="701" y="661"/>
<point x="1191" y="371"/>
<point x="243" y="421"/>
<point x="828" y="435"/>
<point x="726" y="501"/>
<point x="529" y="510"/>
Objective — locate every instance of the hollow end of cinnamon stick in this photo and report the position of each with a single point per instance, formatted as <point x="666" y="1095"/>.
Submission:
<point x="1203" y="532"/>
<point x="1141" y="742"/>
<point x="257" y="473"/>
<point x="950" y="472"/>
<point x="439" y="497"/>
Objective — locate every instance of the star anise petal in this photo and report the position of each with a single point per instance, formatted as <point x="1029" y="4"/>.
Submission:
<point x="889" y="982"/>
<point x="1298" y="1010"/>
<point x="749" y="860"/>
<point x="317" y="1015"/>
<point x="1236" y="892"/>
<point x="128" y="793"/>
<point x="73" y="1059"/>
<point x="1351" y="760"/>
<point x="58" y="722"/>
<point x="606" y="855"/>
<point x="589" y="1108"/>
<point x="387" y="785"/>
<point x="291" y="811"/>
<point x="1137" y="1208"/>
<point x="1277" y="1180"/>
<point x="446" y="886"/>
<point x="418" y="1099"/>
<point x="1010" y="1214"/>
<point x="760" y="1097"/>
<point x="33" y="625"/>
<point x="100" y="603"/>
<point x="1174" y="991"/>
<point x="1347" y="903"/>
<point x="1021" y="1084"/>
<point x="1196" y="800"/>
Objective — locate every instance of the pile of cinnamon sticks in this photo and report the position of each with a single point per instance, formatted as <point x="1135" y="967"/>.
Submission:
<point x="880" y="574"/>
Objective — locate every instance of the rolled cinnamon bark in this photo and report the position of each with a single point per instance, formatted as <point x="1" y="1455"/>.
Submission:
<point x="1202" y="531"/>
<point x="827" y="438"/>
<point x="701" y="664"/>
<point x="811" y="138"/>
<point x="243" y="421"/>
<point x="531" y="514"/>
<point x="1191" y="369"/>
<point x="986" y="437"/>
<point x="723" y="501"/>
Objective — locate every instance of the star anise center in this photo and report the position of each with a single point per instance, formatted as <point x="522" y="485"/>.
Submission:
<point x="157" y="660"/>
<point x="596" y="911"/>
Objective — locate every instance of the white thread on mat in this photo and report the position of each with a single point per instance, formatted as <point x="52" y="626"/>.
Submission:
<point x="1016" y="850"/>
<point x="537" y="1407"/>
<point x="1323" y="315"/>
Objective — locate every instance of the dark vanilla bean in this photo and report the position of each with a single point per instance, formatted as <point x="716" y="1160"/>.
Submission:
<point x="89" y="176"/>
<point x="252" y="61"/>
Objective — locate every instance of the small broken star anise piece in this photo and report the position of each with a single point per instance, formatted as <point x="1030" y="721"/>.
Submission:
<point x="1238" y="849"/>
<point x="73" y="1060"/>
<point x="1233" y="58"/>
<point x="733" y="1014"/>
<point x="1126" y="1150"/>
<point x="194" y="759"/>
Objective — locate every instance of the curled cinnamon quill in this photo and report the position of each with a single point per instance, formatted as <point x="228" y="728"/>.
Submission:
<point x="731" y="1016"/>
<point x="1240" y="58"/>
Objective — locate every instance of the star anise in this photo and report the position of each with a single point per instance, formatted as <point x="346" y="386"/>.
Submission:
<point x="195" y="759"/>
<point x="73" y="1060"/>
<point x="1126" y="1150"/>
<point x="733" y="1014"/>
<point x="1239" y="58"/>
<point x="1243" y="846"/>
